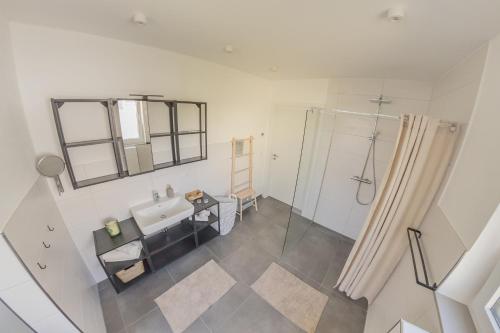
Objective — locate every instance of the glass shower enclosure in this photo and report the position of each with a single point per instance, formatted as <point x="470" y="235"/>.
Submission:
<point x="316" y="142"/>
<point x="343" y="157"/>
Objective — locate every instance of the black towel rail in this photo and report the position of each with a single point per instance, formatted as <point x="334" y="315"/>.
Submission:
<point x="426" y="283"/>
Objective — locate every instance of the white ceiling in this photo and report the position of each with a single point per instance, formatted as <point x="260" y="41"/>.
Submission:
<point x="303" y="38"/>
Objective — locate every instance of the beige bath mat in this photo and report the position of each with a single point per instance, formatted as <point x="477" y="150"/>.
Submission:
<point x="187" y="300"/>
<point x="296" y="300"/>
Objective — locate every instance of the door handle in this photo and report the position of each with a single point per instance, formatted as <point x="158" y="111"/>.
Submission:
<point x="275" y="156"/>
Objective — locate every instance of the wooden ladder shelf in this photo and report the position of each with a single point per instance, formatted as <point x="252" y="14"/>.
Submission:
<point x="243" y="190"/>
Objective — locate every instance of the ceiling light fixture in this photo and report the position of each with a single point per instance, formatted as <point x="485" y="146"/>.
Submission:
<point x="139" y="18"/>
<point x="228" y="48"/>
<point x="396" y="14"/>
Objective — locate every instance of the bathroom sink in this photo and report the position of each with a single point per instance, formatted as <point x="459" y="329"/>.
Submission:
<point x="154" y="216"/>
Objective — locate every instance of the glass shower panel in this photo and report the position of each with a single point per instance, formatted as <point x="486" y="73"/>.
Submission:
<point x="344" y="156"/>
<point x="314" y="155"/>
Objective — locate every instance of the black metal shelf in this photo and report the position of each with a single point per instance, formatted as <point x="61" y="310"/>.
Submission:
<point x="172" y="236"/>
<point x="161" y="259"/>
<point x="198" y="207"/>
<point x="166" y="239"/>
<point x="116" y="266"/>
<point x="181" y="162"/>
<point x="88" y="143"/>
<point x="159" y="135"/>
<point x="417" y="235"/>
<point x="190" y="132"/>
<point x="104" y="243"/>
<point x="206" y="235"/>
<point x="203" y="224"/>
<point x="97" y="180"/>
<point x="159" y="249"/>
<point x="163" y="165"/>
<point x="191" y="160"/>
<point x="121" y="286"/>
<point x="117" y="141"/>
<point x="82" y="100"/>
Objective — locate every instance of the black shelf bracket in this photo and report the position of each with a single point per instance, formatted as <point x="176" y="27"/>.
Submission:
<point x="417" y="236"/>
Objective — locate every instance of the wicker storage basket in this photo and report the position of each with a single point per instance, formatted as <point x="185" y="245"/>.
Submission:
<point x="131" y="272"/>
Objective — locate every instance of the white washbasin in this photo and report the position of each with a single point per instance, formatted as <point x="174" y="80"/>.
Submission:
<point x="154" y="216"/>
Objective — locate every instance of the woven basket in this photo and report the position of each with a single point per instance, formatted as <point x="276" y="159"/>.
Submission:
<point x="131" y="272"/>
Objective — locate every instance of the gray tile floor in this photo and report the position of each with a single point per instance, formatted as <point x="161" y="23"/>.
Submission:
<point x="313" y="253"/>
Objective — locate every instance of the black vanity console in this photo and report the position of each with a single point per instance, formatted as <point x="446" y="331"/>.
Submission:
<point x="158" y="249"/>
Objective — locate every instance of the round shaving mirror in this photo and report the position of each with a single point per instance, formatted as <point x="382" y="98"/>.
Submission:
<point x="51" y="166"/>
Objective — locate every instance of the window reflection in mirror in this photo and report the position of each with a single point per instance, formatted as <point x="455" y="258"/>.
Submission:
<point x="133" y="121"/>
<point x="134" y="128"/>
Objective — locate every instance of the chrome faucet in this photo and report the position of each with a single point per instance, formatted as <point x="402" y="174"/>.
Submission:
<point x="156" y="196"/>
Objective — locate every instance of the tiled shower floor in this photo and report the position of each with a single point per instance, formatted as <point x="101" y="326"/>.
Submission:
<point x="316" y="257"/>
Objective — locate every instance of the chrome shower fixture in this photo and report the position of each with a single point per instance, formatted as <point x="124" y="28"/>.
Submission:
<point x="374" y="135"/>
<point x="371" y="152"/>
<point x="361" y="180"/>
<point x="380" y="100"/>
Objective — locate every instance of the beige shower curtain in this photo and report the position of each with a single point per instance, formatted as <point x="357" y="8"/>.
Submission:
<point x="421" y="156"/>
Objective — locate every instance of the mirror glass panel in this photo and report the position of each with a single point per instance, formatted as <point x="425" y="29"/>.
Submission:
<point x="190" y="147"/>
<point x="134" y="123"/>
<point x="162" y="141"/>
<point x="93" y="161"/>
<point x="188" y="117"/>
<point x="159" y="118"/>
<point x="134" y="133"/>
<point x="85" y="121"/>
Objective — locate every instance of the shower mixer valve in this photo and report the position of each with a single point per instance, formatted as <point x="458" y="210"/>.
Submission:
<point x="373" y="137"/>
<point x="361" y="180"/>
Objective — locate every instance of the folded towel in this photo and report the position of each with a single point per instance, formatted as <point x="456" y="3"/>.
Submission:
<point x="202" y="216"/>
<point x="128" y="251"/>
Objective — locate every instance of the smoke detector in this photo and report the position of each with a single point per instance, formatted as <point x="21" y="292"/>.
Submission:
<point x="229" y="48"/>
<point x="139" y="18"/>
<point x="274" y="69"/>
<point x="396" y="14"/>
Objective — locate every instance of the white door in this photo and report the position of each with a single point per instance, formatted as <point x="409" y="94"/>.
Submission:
<point x="287" y="128"/>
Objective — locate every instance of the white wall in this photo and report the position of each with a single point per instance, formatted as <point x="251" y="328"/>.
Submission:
<point x="467" y="278"/>
<point x="477" y="277"/>
<point x="291" y="99"/>
<point x="10" y="322"/>
<point x="301" y="93"/>
<point x="18" y="177"/>
<point x="477" y="306"/>
<point x="17" y="172"/>
<point x="453" y="99"/>
<point x="454" y="316"/>
<point x="56" y="63"/>
<point x="472" y="195"/>
<point x="478" y="159"/>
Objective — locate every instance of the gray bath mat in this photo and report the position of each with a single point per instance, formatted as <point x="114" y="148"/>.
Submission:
<point x="187" y="300"/>
<point x="296" y="300"/>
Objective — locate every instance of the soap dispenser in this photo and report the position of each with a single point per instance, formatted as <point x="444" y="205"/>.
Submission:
<point x="170" y="191"/>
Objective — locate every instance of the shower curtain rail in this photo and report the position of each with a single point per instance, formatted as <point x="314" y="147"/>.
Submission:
<point x="451" y="125"/>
